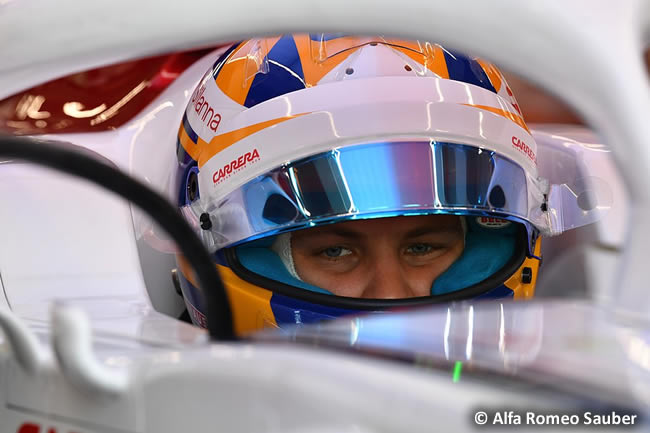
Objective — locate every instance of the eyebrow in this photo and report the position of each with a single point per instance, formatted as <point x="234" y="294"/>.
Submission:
<point x="338" y="231"/>
<point x="420" y="231"/>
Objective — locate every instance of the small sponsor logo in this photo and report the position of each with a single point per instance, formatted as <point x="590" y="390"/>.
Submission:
<point x="235" y="165"/>
<point x="492" y="223"/>
<point x="204" y="110"/>
<point x="524" y="148"/>
<point x="198" y="318"/>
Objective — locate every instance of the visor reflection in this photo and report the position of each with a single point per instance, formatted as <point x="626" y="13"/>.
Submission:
<point x="374" y="180"/>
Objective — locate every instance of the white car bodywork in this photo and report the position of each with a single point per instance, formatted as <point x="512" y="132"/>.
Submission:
<point x="69" y="262"/>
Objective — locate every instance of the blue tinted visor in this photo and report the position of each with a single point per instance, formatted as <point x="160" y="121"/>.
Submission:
<point x="374" y="180"/>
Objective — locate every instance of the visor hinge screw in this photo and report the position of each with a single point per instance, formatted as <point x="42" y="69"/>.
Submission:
<point x="527" y="275"/>
<point x="206" y="223"/>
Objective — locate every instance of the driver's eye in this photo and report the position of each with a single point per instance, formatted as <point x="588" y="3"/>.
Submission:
<point x="419" y="249"/>
<point x="335" y="252"/>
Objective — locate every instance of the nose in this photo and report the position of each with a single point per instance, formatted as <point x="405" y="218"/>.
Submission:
<point x="388" y="280"/>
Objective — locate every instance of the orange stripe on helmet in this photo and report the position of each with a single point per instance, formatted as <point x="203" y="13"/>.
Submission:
<point x="316" y="64"/>
<point x="313" y="68"/>
<point x="504" y="113"/>
<point x="251" y="305"/>
<point x="526" y="290"/>
<point x="193" y="149"/>
<point x="492" y="72"/>
<point x="223" y="141"/>
<point x="244" y="62"/>
<point x="428" y="55"/>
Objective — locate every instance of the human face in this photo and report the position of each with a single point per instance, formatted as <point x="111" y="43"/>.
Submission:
<point x="385" y="258"/>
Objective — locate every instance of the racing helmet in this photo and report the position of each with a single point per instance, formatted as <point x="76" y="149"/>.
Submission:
<point x="297" y="131"/>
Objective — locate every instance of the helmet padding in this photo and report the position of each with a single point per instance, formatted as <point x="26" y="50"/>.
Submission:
<point x="486" y="251"/>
